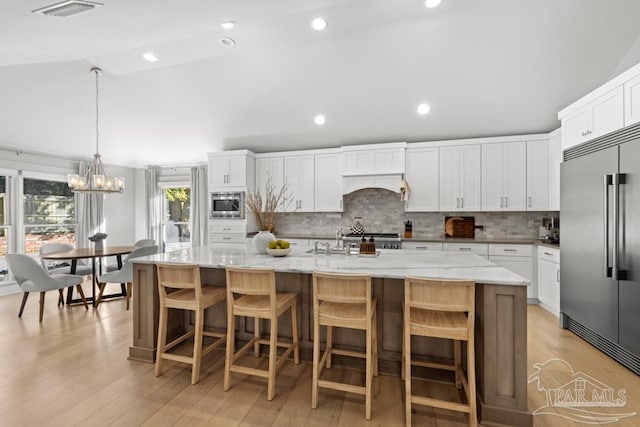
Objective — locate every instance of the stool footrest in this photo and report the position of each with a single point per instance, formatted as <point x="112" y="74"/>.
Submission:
<point x="350" y="353"/>
<point x="177" y="358"/>
<point x="249" y="371"/>
<point x="342" y="387"/>
<point x="178" y="340"/>
<point x="437" y="403"/>
<point x="433" y="365"/>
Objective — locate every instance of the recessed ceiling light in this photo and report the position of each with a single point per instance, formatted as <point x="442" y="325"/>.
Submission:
<point x="67" y="8"/>
<point x="432" y="3"/>
<point x="423" y="109"/>
<point x="319" y="119"/>
<point x="150" y="56"/>
<point x="319" y="24"/>
<point x="227" y="42"/>
<point x="227" y="25"/>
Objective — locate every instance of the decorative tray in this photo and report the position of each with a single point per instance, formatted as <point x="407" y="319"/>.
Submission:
<point x="369" y="255"/>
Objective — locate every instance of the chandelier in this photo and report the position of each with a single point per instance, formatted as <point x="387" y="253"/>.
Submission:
<point x="95" y="179"/>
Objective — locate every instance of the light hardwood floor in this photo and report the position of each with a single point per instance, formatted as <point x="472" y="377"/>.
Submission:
<point x="72" y="370"/>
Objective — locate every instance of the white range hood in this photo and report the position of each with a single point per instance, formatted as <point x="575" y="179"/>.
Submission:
<point x="373" y="166"/>
<point x="390" y="182"/>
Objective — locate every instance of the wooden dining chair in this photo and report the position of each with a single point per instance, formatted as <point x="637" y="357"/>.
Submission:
<point x="179" y="287"/>
<point x="440" y="309"/>
<point x="344" y="300"/>
<point x="251" y="292"/>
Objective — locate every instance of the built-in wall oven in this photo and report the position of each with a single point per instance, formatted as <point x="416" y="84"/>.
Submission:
<point x="227" y="205"/>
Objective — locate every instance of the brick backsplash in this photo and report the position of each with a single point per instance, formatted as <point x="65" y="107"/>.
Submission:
<point x="383" y="211"/>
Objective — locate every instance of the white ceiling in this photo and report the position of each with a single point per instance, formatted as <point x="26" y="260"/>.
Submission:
<point x="490" y="67"/>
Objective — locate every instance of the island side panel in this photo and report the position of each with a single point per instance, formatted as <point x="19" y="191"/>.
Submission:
<point x="145" y="306"/>
<point x="501" y="336"/>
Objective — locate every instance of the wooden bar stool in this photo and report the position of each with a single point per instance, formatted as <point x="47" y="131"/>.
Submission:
<point x="442" y="309"/>
<point x="343" y="300"/>
<point x="257" y="298"/>
<point x="191" y="295"/>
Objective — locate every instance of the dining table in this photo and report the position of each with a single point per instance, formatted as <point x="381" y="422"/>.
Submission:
<point x="91" y="253"/>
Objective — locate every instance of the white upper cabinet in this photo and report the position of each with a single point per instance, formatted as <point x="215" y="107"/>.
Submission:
<point x="328" y="182"/>
<point x="460" y="178"/>
<point x="422" y="175"/>
<point x="632" y="101"/>
<point x="299" y="173"/>
<point x="374" y="159"/>
<point x="602" y="115"/>
<point x="231" y="169"/>
<point x="269" y="167"/>
<point x="504" y="176"/>
<point x="539" y="175"/>
<point x="555" y="159"/>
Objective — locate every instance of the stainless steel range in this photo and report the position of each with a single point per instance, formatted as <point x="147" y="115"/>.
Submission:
<point x="383" y="240"/>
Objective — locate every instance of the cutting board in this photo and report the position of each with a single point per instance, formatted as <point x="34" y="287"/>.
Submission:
<point x="460" y="226"/>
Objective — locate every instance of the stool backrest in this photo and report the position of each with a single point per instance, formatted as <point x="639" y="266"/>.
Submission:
<point x="251" y="281"/>
<point x="440" y="295"/>
<point x="342" y="288"/>
<point x="178" y="276"/>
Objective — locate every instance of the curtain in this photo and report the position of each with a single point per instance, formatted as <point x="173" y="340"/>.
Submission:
<point x="198" y="206"/>
<point x="90" y="214"/>
<point x="152" y="206"/>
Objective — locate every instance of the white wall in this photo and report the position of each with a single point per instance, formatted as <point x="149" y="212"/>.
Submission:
<point x="119" y="209"/>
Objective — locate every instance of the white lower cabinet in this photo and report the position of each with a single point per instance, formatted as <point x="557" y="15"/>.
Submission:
<point x="422" y="246"/>
<point x="518" y="259"/>
<point x="481" y="249"/>
<point x="549" y="278"/>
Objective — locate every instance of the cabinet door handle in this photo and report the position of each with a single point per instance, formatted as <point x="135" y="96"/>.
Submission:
<point x="506" y="202"/>
<point x="558" y="275"/>
<point x="461" y="202"/>
<point x="502" y="202"/>
<point x="457" y="202"/>
<point x="529" y="201"/>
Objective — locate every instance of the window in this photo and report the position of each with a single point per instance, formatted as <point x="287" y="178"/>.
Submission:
<point x="49" y="214"/>
<point x="5" y="229"/>
<point x="176" y="206"/>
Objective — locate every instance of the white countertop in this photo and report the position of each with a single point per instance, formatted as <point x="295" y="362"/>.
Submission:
<point x="393" y="264"/>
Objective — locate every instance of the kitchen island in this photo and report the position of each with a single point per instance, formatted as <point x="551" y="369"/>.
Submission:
<point x="501" y="318"/>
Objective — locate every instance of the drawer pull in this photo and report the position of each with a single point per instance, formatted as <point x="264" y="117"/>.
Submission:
<point x="226" y="229"/>
<point x="547" y="253"/>
<point x="465" y="249"/>
<point x="422" y="248"/>
<point x="226" y="238"/>
<point x="558" y="276"/>
<point x="510" y="250"/>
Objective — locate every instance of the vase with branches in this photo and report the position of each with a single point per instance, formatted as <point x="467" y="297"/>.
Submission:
<point x="267" y="208"/>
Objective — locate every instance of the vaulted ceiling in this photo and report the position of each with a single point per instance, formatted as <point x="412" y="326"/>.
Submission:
<point x="491" y="67"/>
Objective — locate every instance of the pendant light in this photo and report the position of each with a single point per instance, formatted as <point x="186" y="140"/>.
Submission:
<point x="95" y="179"/>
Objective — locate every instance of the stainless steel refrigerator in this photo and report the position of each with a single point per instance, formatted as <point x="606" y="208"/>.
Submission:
<point x="600" y="245"/>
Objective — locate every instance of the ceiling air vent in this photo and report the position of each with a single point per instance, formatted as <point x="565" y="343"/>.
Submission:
<point x="67" y="8"/>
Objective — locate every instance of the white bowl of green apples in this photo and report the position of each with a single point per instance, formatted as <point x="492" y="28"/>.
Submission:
<point x="278" y="248"/>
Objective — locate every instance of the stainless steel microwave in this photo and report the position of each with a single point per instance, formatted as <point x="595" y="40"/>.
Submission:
<point x="227" y="205"/>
